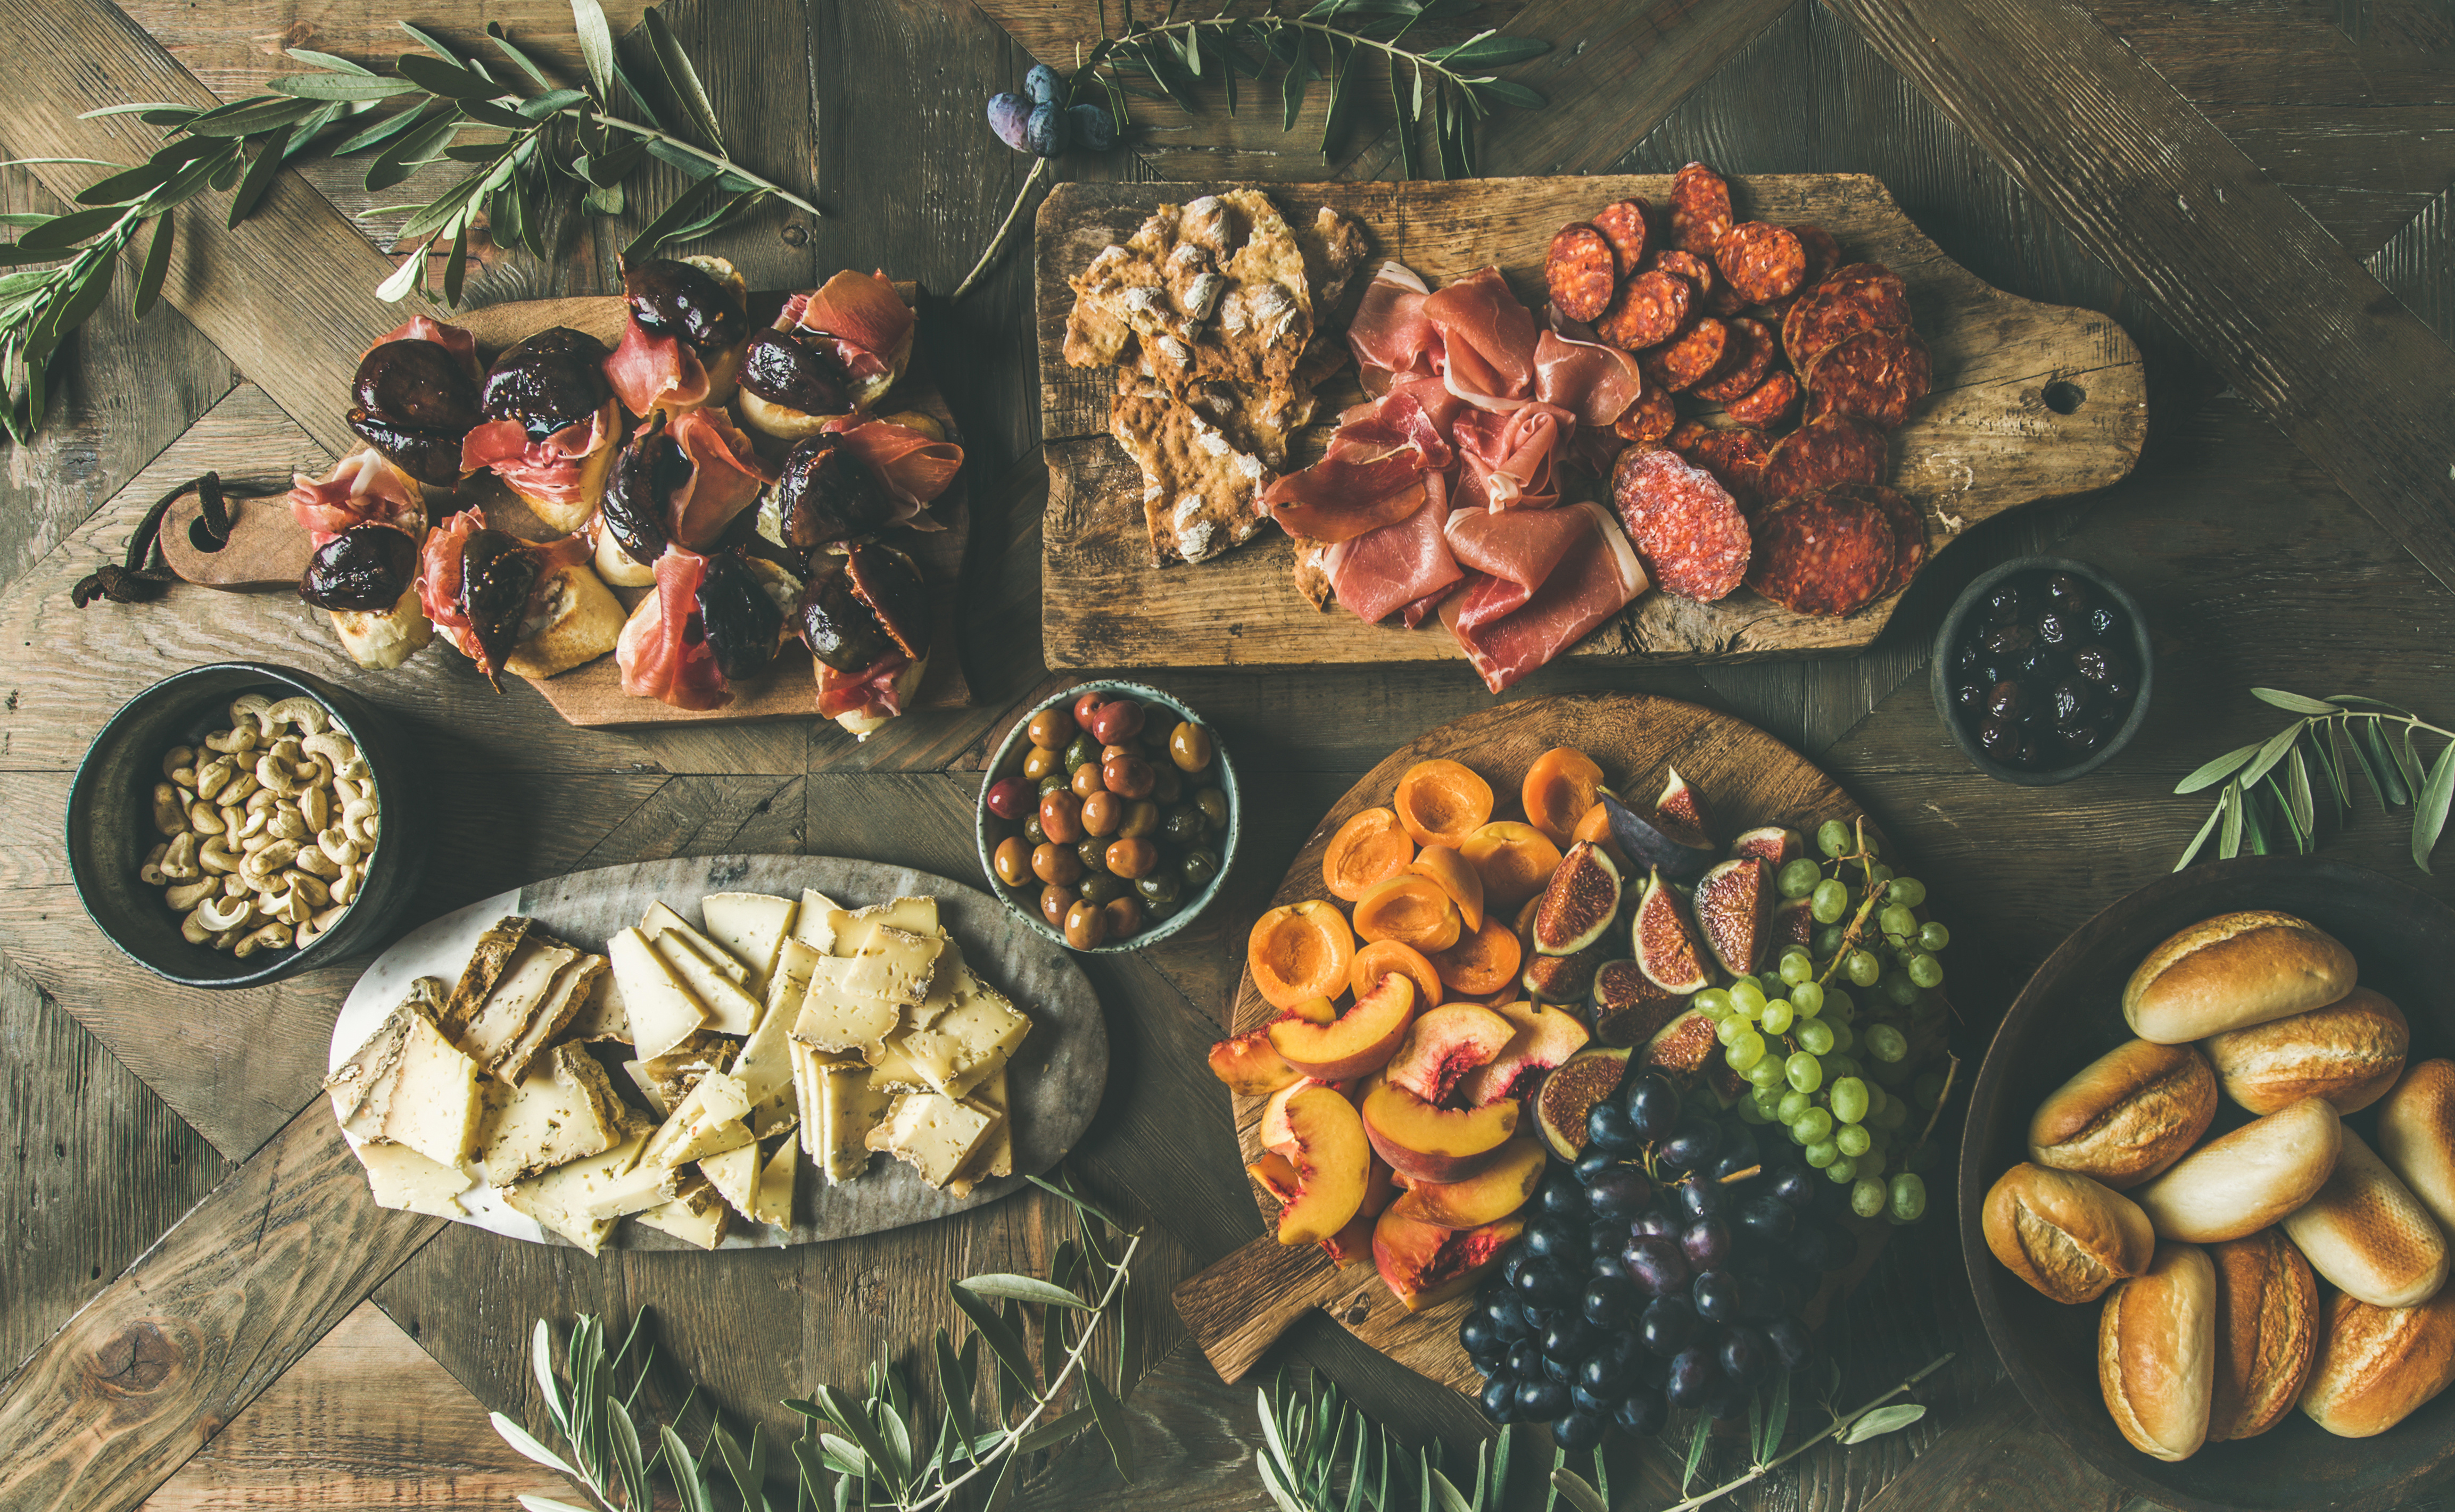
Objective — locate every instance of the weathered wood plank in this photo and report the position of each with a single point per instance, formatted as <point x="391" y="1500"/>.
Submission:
<point x="2087" y="127"/>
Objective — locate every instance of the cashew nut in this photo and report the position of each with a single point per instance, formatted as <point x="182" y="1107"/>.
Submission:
<point x="334" y="746"/>
<point x="253" y="712"/>
<point x="335" y="843"/>
<point x="178" y="756"/>
<point x="215" y="856"/>
<point x="194" y="933"/>
<point x="214" y="775"/>
<point x="231" y="742"/>
<point x="243" y="788"/>
<point x="275" y="775"/>
<point x="178" y="863"/>
<point x="234" y="885"/>
<point x="150" y="873"/>
<point x="258" y="864"/>
<point x="204" y="819"/>
<point x="169" y="813"/>
<point x="257" y="822"/>
<point x="318" y="861"/>
<point x="315" y="807"/>
<point x="320" y="925"/>
<point x="304" y="713"/>
<point x="225" y="913"/>
<point x="286" y="906"/>
<point x="289" y="824"/>
<point x="345" y="887"/>
<point x="185" y="896"/>
<point x="309" y="886"/>
<point x="275" y="936"/>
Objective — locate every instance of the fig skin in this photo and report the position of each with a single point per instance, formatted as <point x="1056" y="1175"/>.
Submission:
<point x="827" y="493"/>
<point x="839" y="630"/>
<point x="418" y="385"/>
<point x="552" y="381"/>
<point x="498" y="574"/>
<point x="669" y="297"/>
<point x="637" y="494"/>
<point x="889" y="582"/>
<point x="741" y="622"/>
<point x="799" y="371"/>
<point x="433" y="457"/>
<point x="366" y="567"/>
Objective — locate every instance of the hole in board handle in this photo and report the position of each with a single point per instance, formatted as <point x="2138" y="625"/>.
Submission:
<point x="2064" y="397"/>
<point x="201" y="537"/>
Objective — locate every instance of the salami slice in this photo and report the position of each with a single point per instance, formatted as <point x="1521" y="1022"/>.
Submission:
<point x="1823" y="255"/>
<point x="1580" y="272"/>
<point x="1685" y="435"/>
<point x="1875" y="376"/>
<point x="1822" y="553"/>
<point x="1691" y="358"/>
<point x="1698" y="272"/>
<point x="1751" y="349"/>
<point x="1700" y="208"/>
<point x="1649" y="419"/>
<point x="1651" y="309"/>
<point x="1862" y="296"/>
<point x="1767" y="404"/>
<point x="1686" y="526"/>
<point x="1623" y="224"/>
<point x="1909" y="532"/>
<point x="1761" y="262"/>
<point x="1821" y="454"/>
<point x="1736" y="456"/>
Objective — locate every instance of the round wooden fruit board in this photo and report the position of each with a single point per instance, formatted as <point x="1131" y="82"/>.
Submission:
<point x="1238" y="1306"/>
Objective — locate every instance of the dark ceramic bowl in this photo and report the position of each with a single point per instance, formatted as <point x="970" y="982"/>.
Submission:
<point x="2071" y="1013"/>
<point x="1972" y="603"/>
<point x="110" y="825"/>
<point x="988" y="829"/>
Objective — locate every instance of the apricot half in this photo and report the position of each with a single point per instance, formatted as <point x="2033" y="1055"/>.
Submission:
<point x="1358" y="1041"/>
<point x="1379" y="958"/>
<point x="1429" y="1144"/>
<point x="1443" y="1045"/>
<point x="1331" y="1162"/>
<point x="1425" y="1265"/>
<point x="1483" y="1199"/>
<point x="1558" y="789"/>
<point x="1449" y="871"/>
<point x="1441" y="802"/>
<point x="1300" y="951"/>
<point x="1367" y="850"/>
<point x="1482" y="962"/>
<point x="1413" y="910"/>
<point x="1513" y="859"/>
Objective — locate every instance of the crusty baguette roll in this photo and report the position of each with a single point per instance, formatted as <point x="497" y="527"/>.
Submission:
<point x="2348" y="1051"/>
<point x="2369" y="1236"/>
<point x="381" y="639"/>
<point x="2416" y="1137"/>
<point x="2233" y="971"/>
<point x="2128" y="1115"/>
<point x="2377" y="1364"/>
<point x="2267" y="1332"/>
<point x="2156" y="1353"/>
<point x="2249" y="1178"/>
<point x="2066" y="1235"/>
<point x="577" y="619"/>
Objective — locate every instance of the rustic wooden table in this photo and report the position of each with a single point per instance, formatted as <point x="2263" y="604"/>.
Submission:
<point x="2258" y="192"/>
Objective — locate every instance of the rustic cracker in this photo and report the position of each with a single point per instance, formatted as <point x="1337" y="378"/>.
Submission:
<point x="1200" y="492"/>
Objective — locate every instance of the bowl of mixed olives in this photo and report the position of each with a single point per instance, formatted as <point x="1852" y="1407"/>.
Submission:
<point x="1109" y="818"/>
<point x="2041" y="670"/>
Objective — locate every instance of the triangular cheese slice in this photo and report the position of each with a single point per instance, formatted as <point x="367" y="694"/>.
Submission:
<point x="731" y="1010"/>
<point x="660" y="1008"/>
<point x="752" y="927"/>
<point x="659" y="921"/>
<point x="775" y="1202"/>
<point x="406" y="1182"/>
<point x="706" y="1122"/>
<point x="734" y="1174"/>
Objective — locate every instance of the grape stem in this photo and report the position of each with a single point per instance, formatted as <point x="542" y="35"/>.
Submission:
<point x="1952" y="1069"/>
<point x="1751" y="1173"/>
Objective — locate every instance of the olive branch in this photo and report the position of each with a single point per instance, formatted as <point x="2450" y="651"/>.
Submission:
<point x="544" y="150"/>
<point x="2269" y="798"/>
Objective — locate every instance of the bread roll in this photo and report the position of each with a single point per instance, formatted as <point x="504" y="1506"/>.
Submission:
<point x="2416" y="1137"/>
<point x="2066" y="1235"/>
<point x="2131" y="1113"/>
<point x="2377" y="1364"/>
<point x="2267" y="1331"/>
<point x="2156" y="1353"/>
<point x="2234" y="971"/>
<point x="577" y="620"/>
<point x="2349" y="1053"/>
<point x="2369" y="1236"/>
<point x="2249" y="1178"/>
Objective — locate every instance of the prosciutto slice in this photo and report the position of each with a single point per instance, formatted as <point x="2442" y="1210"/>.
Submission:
<point x="1595" y="580"/>
<point x="647" y="371"/>
<point x="914" y="468"/>
<point x="547" y="470"/>
<point x="1399" y="566"/>
<point x="1509" y="457"/>
<point x="863" y="313"/>
<point x="870" y="692"/>
<point x="1487" y="340"/>
<point x="725" y="478"/>
<point x="451" y="338"/>
<point x="1390" y="332"/>
<point x="362" y="488"/>
<point x="1596" y="384"/>
<point x="1512" y="553"/>
<point x="663" y="649"/>
<point x="1373" y="475"/>
<point x="439" y="577"/>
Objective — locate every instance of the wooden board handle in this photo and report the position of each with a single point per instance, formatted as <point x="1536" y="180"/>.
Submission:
<point x="1240" y="1306"/>
<point x="267" y="548"/>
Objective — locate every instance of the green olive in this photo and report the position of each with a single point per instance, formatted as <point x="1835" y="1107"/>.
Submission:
<point x="1153" y="910"/>
<point x="1189" y="746"/>
<point x="1141" y="820"/>
<point x="1083" y="748"/>
<point x="1182" y="823"/>
<point x="1160" y="889"/>
<point x="1213" y="804"/>
<point x="1171" y="784"/>
<point x="1094" y="852"/>
<point x="1054" y="782"/>
<point x="1198" y="867"/>
<point x="1031" y="830"/>
<point x="1101" y="888"/>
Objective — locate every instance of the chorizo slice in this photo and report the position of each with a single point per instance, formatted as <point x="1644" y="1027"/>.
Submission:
<point x="1761" y="262"/>
<point x="1649" y="310"/>
<point x="1875" y="376"/>
<point x="1624" y="224"/>
<point x="1769" y="404"/>
<point x="1686" y="526"/>
<point x="1824" y="453"/>
<point x="1580" y="272"/>
<point x="1700" y="208"/>
<point x="1822" y="553"/>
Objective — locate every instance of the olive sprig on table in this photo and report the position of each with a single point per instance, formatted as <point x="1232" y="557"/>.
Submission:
<point x="2268" y="790"/>
<point x="559" y="145"/>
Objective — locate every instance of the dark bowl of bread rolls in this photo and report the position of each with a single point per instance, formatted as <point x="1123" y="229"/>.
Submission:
<point x="2207" y="1190"/>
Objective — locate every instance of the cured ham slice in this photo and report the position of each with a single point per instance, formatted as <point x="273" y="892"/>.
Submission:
<point x="1398" y="566"/>
<point x="1487" y="340"/>
<point x="1594" y="581"/>
<point x="870" y="692"/>
<point x="1373" y="475"/>
<point x="548" y="471"/>
<point x="1390" y="332"/>
<point x="725" y="478"/>
<point x="648" y="371"/>
<point x="914" y="467"/>
<point x="1513" y="552"/>
<point x="871" y="324"/>
<point x="1509" y="457"/>
<point x="451" y="338"/>
<point x="663" y="649"/>
<point x="1594" y="383"/>
<point x="362" y="488"/>
<point x="438" y="575"/>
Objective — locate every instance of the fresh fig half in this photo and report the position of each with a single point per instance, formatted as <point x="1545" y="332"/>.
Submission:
<point x="1628" y="1007"/>
<point x="1732" y="908"/>
<point x="1579" y="902"/>
<point x="1664" y="945"/>
<point x="1645" y="844"/>
<point x="1569" y="1093"/>
<point x="1680" y="813"/>
<point x="1683" y="1046"/>
<point x="889" y="582"/>
<point x="1560" y="980"/>
<point x="1771" y="844"/>
<point x="1792" y="924"/>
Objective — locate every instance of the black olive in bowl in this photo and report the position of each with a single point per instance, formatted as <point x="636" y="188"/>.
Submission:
<point x="2041" y="670"/>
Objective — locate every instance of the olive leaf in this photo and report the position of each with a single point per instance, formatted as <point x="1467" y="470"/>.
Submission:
<point x="1882" y="1420"/>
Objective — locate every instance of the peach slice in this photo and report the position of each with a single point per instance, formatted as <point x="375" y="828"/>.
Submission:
<point x="1431" y="1143"/>
<point x="1354" y="1242"/>
<point x="1332" y="1165"/>
<point x="1452" y="874"/>
<point x="1479" y="1199"/>
<point x="1314" y="1011"/>
<point x="1275" y="1174"/>
<point x="1275" y="1133"/>
<point x="1425" y="1265"/>
<point x="1443" y="1045"/>
<point x="1358" y="1041"/>
<point x="1542" y="1038"/>
<point x="1249" y="1066"/>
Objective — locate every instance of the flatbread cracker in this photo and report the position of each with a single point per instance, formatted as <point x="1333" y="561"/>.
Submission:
<point x="1200" y="495"/>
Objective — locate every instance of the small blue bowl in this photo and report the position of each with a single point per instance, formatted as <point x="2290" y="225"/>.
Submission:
<point x="988" y="829"/>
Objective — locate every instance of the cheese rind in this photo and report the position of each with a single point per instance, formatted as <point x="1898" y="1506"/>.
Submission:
<point x="995" y="1156"/>
<point x="934" y="1135"/>
<point x="967" y="1042"/>
<point x="564" y="1111"/>
<point x="406" y="1182"/>
<point x="494" y="951"/>
<point x="752" y="927"/>
<point x="524" y="1011"/>
<point x="435" y="1108"/>
<point x="731" y="1010"/>
<point x="601" y="1017"/>
<point x="661" y="1009"/>
<point x="361" y="1087"/>
<point x="559" y="1198"/>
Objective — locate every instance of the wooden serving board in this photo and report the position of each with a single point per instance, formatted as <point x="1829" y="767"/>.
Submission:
<point x="1055" y="1079"/>
<point x="1237" y="1308"/>
<point x="268" y="551"/>
<point x="1987" y="440"/>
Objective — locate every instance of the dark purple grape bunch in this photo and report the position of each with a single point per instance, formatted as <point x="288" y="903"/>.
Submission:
<point x="1040" y="122"/>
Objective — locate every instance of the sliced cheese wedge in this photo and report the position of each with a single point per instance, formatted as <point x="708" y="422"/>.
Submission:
<point x="893" y="965"/>
<point x="814" y="925"/>
<point x="774" y="1200"/>
<point x="995" y="1156"/>
<point x="735" y="1175"/>
<point x="564" y="1111"/>
<point x="434" y="1106"/>
<point x="916" y="915"/>
<point x="968" y="1043"/>
<point x="934" y="1135"/>
<point x="752" y="927"/>
<point x="706" y="1122"/>
<point x="406" y="1182"/>
<point x="660" y="1008"/>
<point x="658" y="922"/>
<point x="893" y="1071"/>
<point x="501" y="1020"/>
<point x="791" y="981"/>
<point x="850" y="1107"/>
<point x="601" y="1017"/>
<point x="559" y="1198"/>
<point x="835" y="1017"/>
<point x="361" y="1087"/>
<point x="731" y="1010"/>
<point x="697" y="1217"/>
<point x="763" y="1065"/>
<point x="635" y="1190"/>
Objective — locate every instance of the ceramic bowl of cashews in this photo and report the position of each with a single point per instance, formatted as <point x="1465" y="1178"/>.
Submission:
<point x="236" y="821"/>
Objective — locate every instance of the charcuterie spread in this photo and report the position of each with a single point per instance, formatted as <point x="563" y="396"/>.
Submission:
<point x="703" y="492"/>
<point x="1700" y="405"/>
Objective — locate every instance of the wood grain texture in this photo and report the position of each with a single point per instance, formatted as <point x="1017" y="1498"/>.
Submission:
<point x="203" y="1322"/>
<point x="2271" y="301"/>
<point x="1986" y="442"/>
